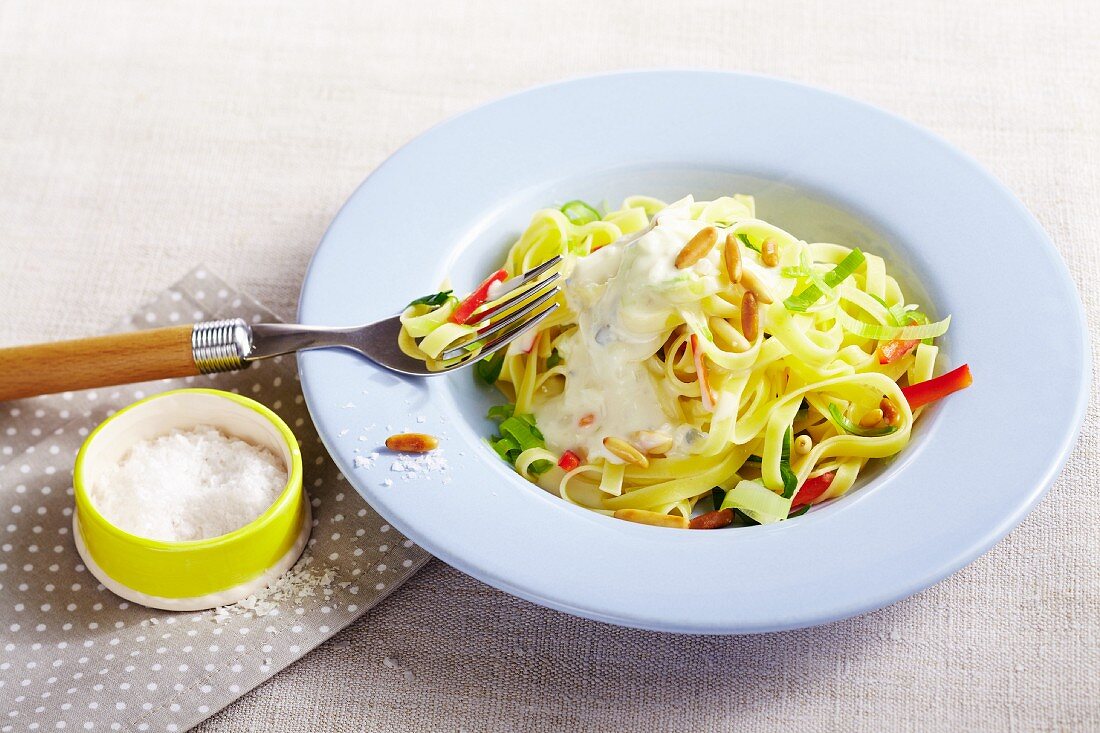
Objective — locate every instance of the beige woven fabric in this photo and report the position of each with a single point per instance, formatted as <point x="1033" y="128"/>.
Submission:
<point x="138" y="139"/>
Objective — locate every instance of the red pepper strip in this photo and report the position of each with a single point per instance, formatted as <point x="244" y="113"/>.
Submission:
<point x="701" y="371"/>
<point x="477" y="298"/>
<point x="891" y="351"/>
<point x="922" y="393"/>
<point x="812" y="490"/>
<point x="569" y="460"/>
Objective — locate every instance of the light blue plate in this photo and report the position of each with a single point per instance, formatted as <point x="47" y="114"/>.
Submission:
<point x="821" y="166"/>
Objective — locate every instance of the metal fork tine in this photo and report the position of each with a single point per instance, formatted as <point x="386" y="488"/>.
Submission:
<point x="530" y="275"/>
<point x="502" y="340"/>
<point x="503" y="323"/>
<point x="513" y="301"/>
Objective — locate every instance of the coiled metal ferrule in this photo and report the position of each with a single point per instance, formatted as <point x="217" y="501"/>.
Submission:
<point x="221" y="346"/>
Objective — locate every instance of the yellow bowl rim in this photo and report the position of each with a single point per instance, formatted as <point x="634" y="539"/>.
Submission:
<point x="285" y="499"/>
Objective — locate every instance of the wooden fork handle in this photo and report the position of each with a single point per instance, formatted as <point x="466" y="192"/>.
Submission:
<point x="101" y="361"/>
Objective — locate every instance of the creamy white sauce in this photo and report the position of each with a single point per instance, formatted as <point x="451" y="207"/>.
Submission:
<point x="626" y="297"/>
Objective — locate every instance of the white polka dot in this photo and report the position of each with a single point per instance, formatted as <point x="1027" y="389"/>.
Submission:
<point x="150" y="317"/>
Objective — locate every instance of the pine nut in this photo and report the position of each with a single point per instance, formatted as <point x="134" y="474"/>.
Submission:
<point x="412" y="443"/>
<point x="654" y="519"/>
<point x="627" y="452"/>
<point x="751" y="282"/>
<point x="871" y="419"/>
<point x="803" y="444"/>
<point x="731" y="255"/>
<point x="722" y="327"/>
<point x="750" y="316"/>
<point x="769" y="252"/>
<point x="653" y="442"/>
<point x="889" y="412"/>
<point x="697" y="248"/>
<point x="712" y="520"/>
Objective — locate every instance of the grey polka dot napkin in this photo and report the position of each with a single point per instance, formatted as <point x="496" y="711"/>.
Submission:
<point x="73" y="656"/>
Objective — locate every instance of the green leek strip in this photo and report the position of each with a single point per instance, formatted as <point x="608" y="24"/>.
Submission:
<point x="744" y="518"/>
<point x="419" y="326"/>
<point x="745" y="241"/>
<point x="900" y="315"/>
<point x="520" y="432"/>
<point x="506" y="448"/>
<point x="553" y="360"/>
<point x="520" y="443"/>
<point x="579" y="213"/>
<point x="535" y="461"/>
<point x="805" y="267"/>
<point x="850" y="427"/>
<point x="790" y="480"/>
<point x="434" y="300"/>
<point x="540" y="466"/>
<point x="818" y="281"/>
<point x="878" y="331"/>
<point x="488" y="369"/>
<point x="500" y="412"/>
<point x="919" y="318"/>
<point x="894" y="314"/>
<point x="831" y="279"/>
<point x="799" y="512"/>
<point x="757" y="501"/>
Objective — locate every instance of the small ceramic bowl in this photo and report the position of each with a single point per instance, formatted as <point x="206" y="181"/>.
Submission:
<point x="196" y="574"/>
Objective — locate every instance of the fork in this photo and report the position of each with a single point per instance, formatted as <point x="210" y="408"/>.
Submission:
<point x="208" y="347"/>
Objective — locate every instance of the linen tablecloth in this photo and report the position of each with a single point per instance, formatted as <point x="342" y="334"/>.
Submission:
<point x="74" y="655"/>
<point x="139" y="139"/>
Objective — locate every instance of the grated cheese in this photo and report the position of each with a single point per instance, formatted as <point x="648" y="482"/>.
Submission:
<point x="292" y="589"/>
<point x="189" y="485"/>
